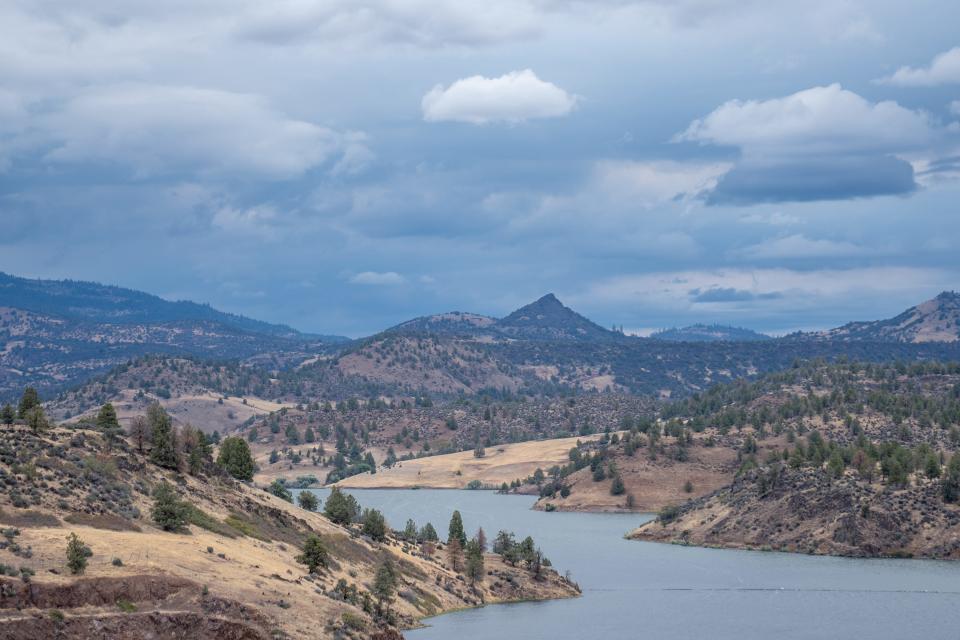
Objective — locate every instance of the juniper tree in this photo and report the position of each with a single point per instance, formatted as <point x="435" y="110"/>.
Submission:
<point x="279" y="489"/>
<point x="236" y="459"/>
<point x="76" y="554"/>
<point x="169" y="512"/>
<point x="315" y="554"/>
<point x="341" y="508"/>
<point x="385" y="581"/>
<point x="307" y="500"/>
<point x="374" y="524"/>
<point x="8" y="415"/>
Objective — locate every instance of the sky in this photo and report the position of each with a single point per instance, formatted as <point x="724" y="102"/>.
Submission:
<point x="343" y="166"/>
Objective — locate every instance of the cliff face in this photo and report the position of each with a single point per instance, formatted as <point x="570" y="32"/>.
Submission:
<point x="806" y="511"/>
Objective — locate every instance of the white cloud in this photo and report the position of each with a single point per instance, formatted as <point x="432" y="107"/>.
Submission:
<point x="819" y="120"/>
<point x="377" y="278"/>
<point x="647" y="184"/>
<point x="945" y="69"/>
<point x="513" y="97"/>
<point x="799" y="246"/>
<point x="157" y="129"/>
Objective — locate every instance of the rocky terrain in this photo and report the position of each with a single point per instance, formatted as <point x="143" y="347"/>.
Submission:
<point x="936" y="320"/>
<point x="807" y="511"/>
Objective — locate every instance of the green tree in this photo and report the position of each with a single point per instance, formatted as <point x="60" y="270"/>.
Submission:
<point x="374" y="524"/>
<point x="315" y="553"/>
<point x="410" y="531"/>
<point x="279" y="489"/>
<point x="169" y="512"/>
<point x="163" y="440"/>
<point x="236" y="459"/>
<point x="474" y="562"/>
<point x="8" y="415"/>
<point x="455" y="531"/>
<point x="107" y="423"/>
<point x="36" y="419"/>
<point x="28" y="400"/>
<point x="616" y="487"/>
<point x="950" y="482"/>
<point x="932" y="466"/>
<point x="385" y="581"/>
<point x="835" y="465"/>
<point x="341" y="508"/>
<point x="307" y="500"/>
<point x="76" y="554"/>
<point x="428" y="533"/>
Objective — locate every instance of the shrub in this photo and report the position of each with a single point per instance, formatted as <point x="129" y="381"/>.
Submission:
<point x="279" y="489"/>
<point x="76" y="554"/>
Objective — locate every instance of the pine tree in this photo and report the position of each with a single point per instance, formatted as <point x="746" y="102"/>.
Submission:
<point x="107" y="423"/>
<point x="481" y="539"/>
<point x="455" y="554"/>
<point x="236" y="459"/>
<point x="36" y="419"/>
<point x="456" y="531"/>
<point x="374" y="524"/>
<point x="474" y="564"/>
<point x="385" y="581"/>
<point x="428" y="533"/>
<point x="8" y="415"/>
<point x="280" y="490"/>
<point x="28" y="400"/>
<point x="340" y="508"/>
<point x="164" y="445"/>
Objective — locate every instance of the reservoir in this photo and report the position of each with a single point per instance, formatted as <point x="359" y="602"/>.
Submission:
<point x="634" y="590"/>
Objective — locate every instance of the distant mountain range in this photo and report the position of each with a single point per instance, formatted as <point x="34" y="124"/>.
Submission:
<point x="709" y="333"/>
<point x="56" y="334"/>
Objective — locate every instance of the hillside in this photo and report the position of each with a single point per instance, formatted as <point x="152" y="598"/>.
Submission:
<point x="231" y="572"/>
<point x="55" y="334"/>
<point x="709" y="333"/>
<point x="936" y="320"/>
<point x="548" y="319"/>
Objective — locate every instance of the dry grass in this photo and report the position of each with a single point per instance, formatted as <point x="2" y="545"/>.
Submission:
<point x="502" y="463"/>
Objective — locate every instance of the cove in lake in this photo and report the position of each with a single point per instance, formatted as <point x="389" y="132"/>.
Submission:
<point x="634" y="590"/>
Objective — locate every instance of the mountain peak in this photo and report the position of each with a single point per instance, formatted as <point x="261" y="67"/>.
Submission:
<point x="936" y="320"/>
<point x="548" y="318"/>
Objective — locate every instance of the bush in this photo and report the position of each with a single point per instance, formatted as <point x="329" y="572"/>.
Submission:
<point x="668" y="514"/>
<point x="76" y="555"/>
<point x="279" y="489"/>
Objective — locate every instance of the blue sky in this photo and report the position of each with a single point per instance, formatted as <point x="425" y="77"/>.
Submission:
<point x="343" y="167"/>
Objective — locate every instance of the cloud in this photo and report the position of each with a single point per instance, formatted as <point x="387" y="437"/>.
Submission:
<point x="945" y="69"/>
<point x="955" y="107"/>
<point x="377" y="278"/>
<point x="770" y="287"/>
<point x="651" y="183"/>
<point x="819" y="120"/>
<point x="823" y="143"/>
<point x="174" y="129"/>
<point x="799" y="246"/>
<point x="513" y="97"/>
<point x="777" y="218"/>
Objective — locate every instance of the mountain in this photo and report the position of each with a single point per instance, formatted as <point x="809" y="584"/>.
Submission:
<point x="936" y="320"/>
<point x="710" y="333"/>
<point x="453" y="322"/>
<point x="548" y="319"/>
<point x="56" y="333"/>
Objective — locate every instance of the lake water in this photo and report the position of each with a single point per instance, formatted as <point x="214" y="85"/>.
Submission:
<point x="634" y="590"/>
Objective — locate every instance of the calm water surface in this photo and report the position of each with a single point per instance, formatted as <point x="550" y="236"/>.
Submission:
<point x="641" y="590"/>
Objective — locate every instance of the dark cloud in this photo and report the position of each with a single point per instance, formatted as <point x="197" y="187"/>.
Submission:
<point x="808" y="180"/>
<point x="730" y="294"/>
